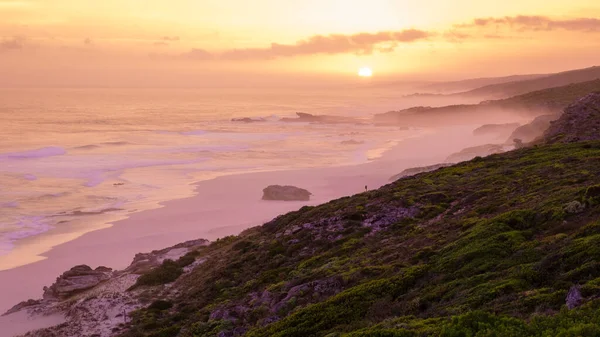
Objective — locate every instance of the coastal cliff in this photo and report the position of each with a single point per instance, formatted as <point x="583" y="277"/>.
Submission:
<point x="505" y="244"/>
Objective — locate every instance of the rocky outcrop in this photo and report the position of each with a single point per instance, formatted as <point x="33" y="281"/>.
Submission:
<point x="326" y="119"/>
<point x="95" y="302"/>
<point x="285" y="193"/>
<point x="144" y="262"/>
<point x="76" y="280"/>
<point x="495" y="129"/>
<point x="248" y="120"/>
<point x="389" y="216"/>
<point x="477" y="151"/>
<point x="22" y="305"/>
<point x="352" y="142"/>
<point x="416" y="170"/>
<point x="533" y="130"/>
<point x="574" y="297"/>
<point x="579" y="122"/>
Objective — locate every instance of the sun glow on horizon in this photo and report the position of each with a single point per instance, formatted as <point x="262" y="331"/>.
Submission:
<point x="365" y="72"/>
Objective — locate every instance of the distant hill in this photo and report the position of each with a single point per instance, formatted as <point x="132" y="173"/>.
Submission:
<point x="470" y="84"/>
<point x="547" y="101"/>
<point x="502" y="90"/>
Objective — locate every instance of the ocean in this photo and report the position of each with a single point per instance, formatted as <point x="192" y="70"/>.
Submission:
<point x="75" y="159"/>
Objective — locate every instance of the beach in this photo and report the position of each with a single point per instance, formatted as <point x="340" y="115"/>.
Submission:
<point x="222" y="206"/>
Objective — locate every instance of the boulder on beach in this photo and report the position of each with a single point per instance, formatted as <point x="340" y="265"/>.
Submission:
<point x="285" y="193"/>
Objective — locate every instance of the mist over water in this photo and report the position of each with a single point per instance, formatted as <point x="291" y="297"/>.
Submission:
<point x="71" y="157"/>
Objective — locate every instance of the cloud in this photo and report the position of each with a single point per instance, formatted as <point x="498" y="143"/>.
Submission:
<point x="88" y="41"/>
<point x="170" y="38"/>
<point x="538" y="23"/>
<point x="198" y="54"/>
<point x="14" y="43"/>
<point x="456" y="36"/>
<point x="361" y="43"/>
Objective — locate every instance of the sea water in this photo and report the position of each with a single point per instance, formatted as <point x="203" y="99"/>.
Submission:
<point x="68" y="155"/>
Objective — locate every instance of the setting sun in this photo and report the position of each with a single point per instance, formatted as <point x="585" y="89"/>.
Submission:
<point x="365" y="72"/>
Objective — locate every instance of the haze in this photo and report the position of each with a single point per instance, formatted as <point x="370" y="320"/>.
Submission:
<point x="210" y="42"/>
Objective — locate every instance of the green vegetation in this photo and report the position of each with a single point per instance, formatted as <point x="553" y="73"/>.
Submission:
<point x="167" y="272"/>
<point x="485" y="248"/>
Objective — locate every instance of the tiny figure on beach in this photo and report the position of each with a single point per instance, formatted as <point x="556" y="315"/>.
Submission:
<point x="366" y="188"/>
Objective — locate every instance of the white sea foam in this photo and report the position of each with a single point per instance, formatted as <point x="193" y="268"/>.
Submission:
<point x="24" y="227"/>
<point x="32" y="154"/>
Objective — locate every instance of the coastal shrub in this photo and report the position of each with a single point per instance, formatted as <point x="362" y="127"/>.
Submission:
<point x="187" y="259"/>
<point x="167" y="272"/>
<point x="592" y="194"/>
<point x="482" y="324"/>
<point x="160" y="305"/>
<point x="171" y="331"/>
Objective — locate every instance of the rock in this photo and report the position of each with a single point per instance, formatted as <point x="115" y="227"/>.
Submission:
<point x="142" y="263"/>
<point x="533" y="130"/>
<point x="326" y="119"/>
<point x="76" y="280"/>
<point x="417" y="170"/>
<point x="579" y="122"/>
<point x="476" y="151"/>
<point x="574" y="297"/>
<point x="352" y="142"/>
<point x="285" y="193"/>
<point x="496" y="129"/>
<point x="574" y="207"/>
<point x="22" y="305"/>
<point x="389" y="216"/>
<point x="248" y="120"/>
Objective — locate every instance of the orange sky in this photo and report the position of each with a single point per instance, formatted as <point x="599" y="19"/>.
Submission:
<point x="70" y="40"/>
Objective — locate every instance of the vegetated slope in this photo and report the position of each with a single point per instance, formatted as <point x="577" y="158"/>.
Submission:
<point x="547" y="101"/>
<point x="580" y="121"/>
<point x="497" y="246"/>
<point x="521" y="87"/>
<point x="473" y="83"/>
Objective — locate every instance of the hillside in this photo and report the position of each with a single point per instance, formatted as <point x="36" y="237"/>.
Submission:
<point x="501" y="90"/>
<point x="507" y="245"/>
<point x="579" y="122"/>
<point x="470" y="84"/>
<point x="547" y="101"/>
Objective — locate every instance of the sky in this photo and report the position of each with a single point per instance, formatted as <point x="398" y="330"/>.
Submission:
<point x="87" y="42"/>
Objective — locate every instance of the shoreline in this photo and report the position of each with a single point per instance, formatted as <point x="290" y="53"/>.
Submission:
<point x="230" y="204"/>
<point x="31" y="249"/>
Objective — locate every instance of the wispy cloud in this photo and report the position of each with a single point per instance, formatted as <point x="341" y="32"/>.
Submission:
<point x="361" y="43"/>
<point x="538" y="23"/>
<point x="198" y="54"/>
<point x="170" y="38"/>
<point x="14" y="43"/>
